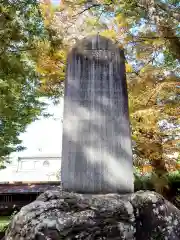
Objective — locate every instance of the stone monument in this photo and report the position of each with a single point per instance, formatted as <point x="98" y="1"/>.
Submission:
<point x="96" y="158"/>
<point x="96" y="151"/>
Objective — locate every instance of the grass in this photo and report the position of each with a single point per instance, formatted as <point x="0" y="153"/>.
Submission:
<point x="4" y="221"/>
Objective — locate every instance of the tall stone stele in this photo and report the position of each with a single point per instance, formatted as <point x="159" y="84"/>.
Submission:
<point x="96" y="151"/>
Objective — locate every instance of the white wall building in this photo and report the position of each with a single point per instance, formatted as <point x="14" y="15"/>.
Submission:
<point x="38" y="168"/>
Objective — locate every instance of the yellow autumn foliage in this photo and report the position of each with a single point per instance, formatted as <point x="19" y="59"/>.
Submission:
<point x="148" y="85"/>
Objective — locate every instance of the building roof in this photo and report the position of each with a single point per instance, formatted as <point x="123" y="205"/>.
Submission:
<point x="27" y="187"/>
<point x="39" y="157"/>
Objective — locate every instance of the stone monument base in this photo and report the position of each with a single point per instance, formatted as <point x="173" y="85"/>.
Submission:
<point x="56" y="215"/>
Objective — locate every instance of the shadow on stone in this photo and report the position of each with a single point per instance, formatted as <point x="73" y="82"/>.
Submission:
<point x="96" y="155"/>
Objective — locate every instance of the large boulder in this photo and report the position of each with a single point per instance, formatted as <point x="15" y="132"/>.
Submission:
<point x="56" y="215"/>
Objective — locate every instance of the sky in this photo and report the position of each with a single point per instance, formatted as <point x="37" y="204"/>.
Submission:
<point x="44" y="136"/>
<point x="56" y="2"/>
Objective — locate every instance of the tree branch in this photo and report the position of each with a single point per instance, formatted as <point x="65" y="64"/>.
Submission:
<point x="90" y="7"/>
<point x="172" y="14"/>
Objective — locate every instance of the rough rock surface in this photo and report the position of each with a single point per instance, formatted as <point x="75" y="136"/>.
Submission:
<point x="56" y="215"/>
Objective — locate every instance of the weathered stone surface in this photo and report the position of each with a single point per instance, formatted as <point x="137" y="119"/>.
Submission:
<point x="96" y="152"/>
<point x="56" y="215"/>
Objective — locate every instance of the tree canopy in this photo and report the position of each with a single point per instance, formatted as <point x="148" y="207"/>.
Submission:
<point x="21" y="30"/>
